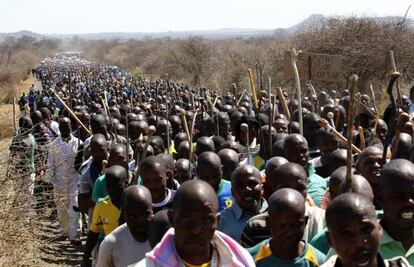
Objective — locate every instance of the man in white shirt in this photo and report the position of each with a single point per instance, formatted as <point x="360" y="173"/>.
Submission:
<point x="64" y="177"/>
<point x="128" y="243"/>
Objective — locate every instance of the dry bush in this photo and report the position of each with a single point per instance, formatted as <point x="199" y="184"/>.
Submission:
<point x="19" y="225"/>
<point x="364" y="44"/>
<point x="17" y="58"/>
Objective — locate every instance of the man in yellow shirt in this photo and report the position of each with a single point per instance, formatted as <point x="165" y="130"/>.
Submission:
<point x="107" y="211"/>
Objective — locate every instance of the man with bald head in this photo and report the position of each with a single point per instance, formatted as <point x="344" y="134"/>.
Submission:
<point x="293" y="176"/>
<point x="90" y="171"/>
<point x="297" y="151"/>
<point x="182" y="170"/>
<point x="117" y="156"/>
<point x="271" y="165"/>
<point x="335" y="181"/>
<point x="204" y="144"/>
<point x="98" y="125"/>
<point x="209" y="169"/>
<point x="369" y="165"/>
<point x="128" y="243"/>
<point x="358" y="244"/>
<point x="287" y="220"/>
<point x="64" y="177"/>
<point x="359" y="185"/>
<point x="194" y="240"/>
<point x="223" y="120"/>
<point x="395" y="195"/>
<point x="230" y="160"/>
<point x="400" y="148"/>
<point x="246" y="187"/>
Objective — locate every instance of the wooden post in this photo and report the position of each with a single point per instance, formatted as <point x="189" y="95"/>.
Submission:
<point x="71" y="112"/>
<point x="349" y="158"/>
<point x="14" y="114"/>
<point x="294" y="54"/>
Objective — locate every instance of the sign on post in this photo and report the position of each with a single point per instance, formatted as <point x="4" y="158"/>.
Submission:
<point x="313" y="66"/>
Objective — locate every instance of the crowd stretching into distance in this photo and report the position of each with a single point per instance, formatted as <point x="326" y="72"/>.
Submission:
<point x="158" y="173"/>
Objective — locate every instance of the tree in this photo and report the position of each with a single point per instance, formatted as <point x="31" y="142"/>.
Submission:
<point x="195" y="56"/>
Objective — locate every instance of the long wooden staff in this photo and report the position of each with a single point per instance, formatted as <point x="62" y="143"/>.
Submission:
<point x="394" y="76"/>
<point x="70" y="112"/>
<point x="244" y="127"/>
<point x="270" y="116"/>
<point x="294" y="54"/>
<point x="283" y="103"/>
<point x="330" y="116"/>
<point x="14" y="114"/>
<point x="352" y="88"/>
<point x="325" y="124"/>
<point x="362" y="143"/>
<point x="187" y="131"/>
<point x="253" y="87"/>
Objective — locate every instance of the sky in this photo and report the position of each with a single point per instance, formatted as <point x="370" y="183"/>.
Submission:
<point x="89" y="16"/>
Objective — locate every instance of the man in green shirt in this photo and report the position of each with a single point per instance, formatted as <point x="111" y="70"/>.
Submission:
<point x="117" y="156"/>
<point x="287" y="223"/>
<point x="354" y="233"/>
<point x="396" y="197"/>
<point x="297" y="151"/>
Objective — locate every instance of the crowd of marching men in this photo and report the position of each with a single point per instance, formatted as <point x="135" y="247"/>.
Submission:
<point x="158" y="173"/>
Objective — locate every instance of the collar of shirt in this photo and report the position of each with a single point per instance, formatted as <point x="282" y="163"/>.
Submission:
<point x="387" y="240"/>
<point x="238" y="211"/>
<point x="165" y="201"/>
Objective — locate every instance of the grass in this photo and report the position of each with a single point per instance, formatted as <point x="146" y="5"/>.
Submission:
<point x="6" y="110"/>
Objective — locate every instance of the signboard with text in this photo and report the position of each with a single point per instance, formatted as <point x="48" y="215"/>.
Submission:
<point x="313" y="66"/>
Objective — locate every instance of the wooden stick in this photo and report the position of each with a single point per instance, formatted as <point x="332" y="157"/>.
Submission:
<point x="151" y="131"/>
<point x="283" y="103"/>
<point x="241" y="96"/>
<point x="235" y="93"/>
<point x="352" y="88"/>
<point x="193" y="125"/>
<point x="373" y="98"/>
<point x="270" y="116"/>
<point x="14" y="114"/>
<point x="70" y="111"/>
<point x="394" y="68"/>
<point x="337" y="113"/>
<point x="362" y="143"/>
<point x="127" y="136"/>
<point x="325" y="124"/>
<point x="330" y="116"/>
<point x="187" y="131"/>
<point x="294" y="54"/>
<point x="245" y="128"/>
<point x="253" y="87"/>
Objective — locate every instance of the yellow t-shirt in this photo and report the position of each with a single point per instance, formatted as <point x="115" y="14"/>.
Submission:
<point x="105" y="216"/>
